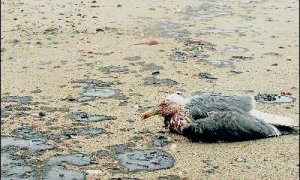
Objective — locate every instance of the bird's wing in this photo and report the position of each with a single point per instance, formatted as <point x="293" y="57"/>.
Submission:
<point x="207" y="102"/>
<point x="197" y="113"/>
<point x="229" y="126"/>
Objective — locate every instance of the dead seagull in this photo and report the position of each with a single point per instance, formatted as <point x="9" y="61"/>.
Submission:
<point x="210" y="117"/>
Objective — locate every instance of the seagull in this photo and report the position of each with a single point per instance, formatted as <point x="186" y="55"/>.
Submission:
<point x="211" y="117"/>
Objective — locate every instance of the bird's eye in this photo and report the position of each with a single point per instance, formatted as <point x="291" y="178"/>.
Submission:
<point x="178" y="93"/>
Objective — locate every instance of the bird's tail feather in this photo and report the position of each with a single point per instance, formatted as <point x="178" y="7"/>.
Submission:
<point x="276" y="120"/>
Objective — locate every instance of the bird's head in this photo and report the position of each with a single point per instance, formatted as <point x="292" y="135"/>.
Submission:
<point x="168" y="107"/>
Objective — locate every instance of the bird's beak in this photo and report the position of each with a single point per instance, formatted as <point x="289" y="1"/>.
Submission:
<point x="149" y="113"/>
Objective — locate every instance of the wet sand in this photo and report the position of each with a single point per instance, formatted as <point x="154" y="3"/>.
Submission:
<point x="251" y="47"/>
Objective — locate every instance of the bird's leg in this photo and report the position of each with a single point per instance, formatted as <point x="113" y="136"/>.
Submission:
<point x="167" y="122"/>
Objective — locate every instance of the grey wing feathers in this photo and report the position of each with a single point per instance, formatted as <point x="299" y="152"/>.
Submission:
<point x="229" y="126"/>
<point x="211" y="102"/>
<point x="198" y="113"/>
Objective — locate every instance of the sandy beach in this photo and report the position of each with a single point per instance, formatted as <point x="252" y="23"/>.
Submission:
<point x="76" y="75"/>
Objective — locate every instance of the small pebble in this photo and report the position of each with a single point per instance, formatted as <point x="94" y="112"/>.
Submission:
<point x="179" y="173"/>
<point x="173" y="147"/>
<point x="236" y="71"/>
<point x="93" y="171"/>
<point x="151" y="42"/>
<point x="169" y="139"/>
<point x="99" y="30"/>
<point x="41" y="114"/>
<point x="155" y="72"/>
<point x="215" y="166"/>
<point x="240" y="159"/>
<point x="249" y="167"/>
